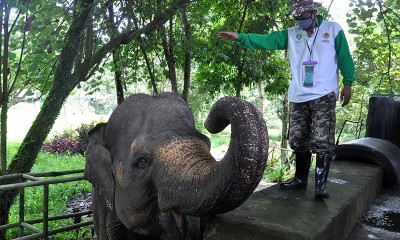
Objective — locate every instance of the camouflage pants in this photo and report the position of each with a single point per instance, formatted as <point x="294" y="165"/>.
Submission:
<point x="312" y="125"/>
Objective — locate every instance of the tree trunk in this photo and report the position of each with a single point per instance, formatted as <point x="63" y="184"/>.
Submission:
<point x="188" y="56"/>
<point x="260" y="98"/>
<point x="285" y="121"/>
<point x="116" y="57"/>
<point x="1" y="45"/>
<point x="4" y="97"/>
<point x="238" y="87"/>
<point x="150" y="69"/>
<point x="26" y="155"/>
<point x="168" y="46"/>
<point x="240" y="58"/>
<point x="4" y="113"/>
<point x="118" y="75"/>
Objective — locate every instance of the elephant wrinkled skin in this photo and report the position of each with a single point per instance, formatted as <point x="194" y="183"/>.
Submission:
<point x="152" y="172"/>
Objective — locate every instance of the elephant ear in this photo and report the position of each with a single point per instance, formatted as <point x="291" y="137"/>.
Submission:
<point x="98" y="169"/>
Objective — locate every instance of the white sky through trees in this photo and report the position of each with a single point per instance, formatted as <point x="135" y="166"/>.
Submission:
<point x="338" y="11"/>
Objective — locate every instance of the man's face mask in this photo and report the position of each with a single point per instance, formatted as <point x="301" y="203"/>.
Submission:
<point x="305" y="23"/>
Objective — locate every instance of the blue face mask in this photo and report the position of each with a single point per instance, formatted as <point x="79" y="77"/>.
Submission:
<point x="305" y="23"/>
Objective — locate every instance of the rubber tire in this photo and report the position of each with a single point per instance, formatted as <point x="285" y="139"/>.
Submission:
<point x="373" y="150"/>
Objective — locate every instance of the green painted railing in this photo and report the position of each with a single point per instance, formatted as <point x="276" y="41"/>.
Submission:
<point x="33" y="180"/>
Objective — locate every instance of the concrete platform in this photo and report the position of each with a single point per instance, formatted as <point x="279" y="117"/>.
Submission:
<point x="282" y="215"/>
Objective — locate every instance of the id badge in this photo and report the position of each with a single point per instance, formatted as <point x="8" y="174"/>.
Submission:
<point x="309" y="73"/>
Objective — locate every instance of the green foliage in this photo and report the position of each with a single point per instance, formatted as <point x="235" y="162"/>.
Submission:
<point x="280" y="166"/>
<point x="227" y="68"/>
<point x="71" y="141"/>
<point x="356" y="111"/>
<point x="62" y="144"/>
<point x="60" y="194"/>
<point x="83" y="131"/>
<point x="37" y="38"/>
<point x="221" y="139"/>
<point x="375" y="24"/>
<point x="12" y="149"/>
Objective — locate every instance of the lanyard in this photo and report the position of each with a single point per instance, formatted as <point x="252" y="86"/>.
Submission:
<point x="311" y="49"/>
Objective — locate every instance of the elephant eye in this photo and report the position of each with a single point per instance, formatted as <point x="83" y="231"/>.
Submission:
<point x="142" y="162"/>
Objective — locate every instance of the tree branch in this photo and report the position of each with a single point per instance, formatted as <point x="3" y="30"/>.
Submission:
<point x="389" y="67"/>
<point x="124" y="38"/>
<point x="20" y="57"/>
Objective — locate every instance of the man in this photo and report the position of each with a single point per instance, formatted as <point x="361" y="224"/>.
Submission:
<point x="317" y="50"/>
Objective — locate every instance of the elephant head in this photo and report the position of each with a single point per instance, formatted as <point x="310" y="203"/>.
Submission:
<point x="152" y="171"/>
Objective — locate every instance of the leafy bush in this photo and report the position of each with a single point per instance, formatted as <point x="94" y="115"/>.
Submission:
<point x="83" y="135"/>
<point x="280" y="165"/>
<point x="63" y="144"/>
<point x="71" y="141"/>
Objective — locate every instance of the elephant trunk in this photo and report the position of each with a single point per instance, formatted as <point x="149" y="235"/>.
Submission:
<point x="246" y="157"/>
<point x="203" y="186"/>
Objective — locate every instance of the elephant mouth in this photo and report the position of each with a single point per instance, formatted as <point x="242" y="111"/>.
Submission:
<point x="178" y="226"/>
<point x="175" y="225"/>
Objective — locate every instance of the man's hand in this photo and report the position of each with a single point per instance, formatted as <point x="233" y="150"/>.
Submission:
<point x="229" y="36"/>
<point x="345" y="95"/>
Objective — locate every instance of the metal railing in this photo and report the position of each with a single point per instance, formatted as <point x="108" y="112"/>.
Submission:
<point x="357" y="132"/>
<point x="35" y="180"/>
<point x="279" y="164"/>
<point x="284" y="154"/>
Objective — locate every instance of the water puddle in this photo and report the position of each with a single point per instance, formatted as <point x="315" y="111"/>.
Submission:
<point x="389" y="221"/>
<point x="385" y="216"/>
<point x="337" y="181"/>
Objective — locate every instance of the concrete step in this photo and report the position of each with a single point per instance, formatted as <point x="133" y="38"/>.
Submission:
<point x="286" y="214"/>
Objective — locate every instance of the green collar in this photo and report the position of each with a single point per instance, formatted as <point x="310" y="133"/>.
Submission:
<point x="320" y="20"/>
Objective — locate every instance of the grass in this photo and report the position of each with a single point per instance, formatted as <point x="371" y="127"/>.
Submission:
<point x="218" y="140"/>
<point x="274" y="137"/>
<point x="59" y="194"/>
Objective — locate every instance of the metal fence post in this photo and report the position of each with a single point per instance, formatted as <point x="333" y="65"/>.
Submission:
<point x="46" y="211"/>
<point x="21" y="208"/>
<point x="34" y="181"/>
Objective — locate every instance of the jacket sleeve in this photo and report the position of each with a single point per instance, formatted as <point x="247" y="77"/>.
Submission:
<point x="274" y="41"/>
<point x="345" y="61"/>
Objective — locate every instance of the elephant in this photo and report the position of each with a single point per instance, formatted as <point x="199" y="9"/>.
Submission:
<point x="152" y="172"/>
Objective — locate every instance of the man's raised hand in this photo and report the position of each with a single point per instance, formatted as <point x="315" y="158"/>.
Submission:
<point x="228" y="36"/>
